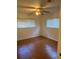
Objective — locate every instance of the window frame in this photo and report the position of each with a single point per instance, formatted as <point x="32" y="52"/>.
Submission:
<point x="27" y="27"/>
<point x="52" y="27"/>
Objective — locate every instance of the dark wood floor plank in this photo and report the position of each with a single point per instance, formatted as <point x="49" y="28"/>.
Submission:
<point x="37" y="48"/>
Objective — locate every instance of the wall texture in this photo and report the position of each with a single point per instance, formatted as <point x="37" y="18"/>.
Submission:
<point x="39" y="30"/>
<point x="51" y="33"/>
<point x="25" y="33"/>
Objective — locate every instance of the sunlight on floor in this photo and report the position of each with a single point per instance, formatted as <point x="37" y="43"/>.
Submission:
<point x="51" y="52"/>
<point x="25" y="51"/>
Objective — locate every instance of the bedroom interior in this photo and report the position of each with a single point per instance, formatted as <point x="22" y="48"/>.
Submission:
<point x="38" y="29"/>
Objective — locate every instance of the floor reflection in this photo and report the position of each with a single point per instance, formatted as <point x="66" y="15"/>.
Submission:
<point x="25" y="51"/>
<point x="51" y="52"/>
<point x="38" y="48"/>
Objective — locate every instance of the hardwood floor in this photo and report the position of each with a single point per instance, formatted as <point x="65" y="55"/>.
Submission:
<point x="37" y="48"/>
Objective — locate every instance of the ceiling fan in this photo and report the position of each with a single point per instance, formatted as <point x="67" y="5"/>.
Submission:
<point x="42" y="10"/>
<point x="39" y="11"/>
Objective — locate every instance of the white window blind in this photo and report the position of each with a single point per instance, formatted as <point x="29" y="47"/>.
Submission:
<point x="26" y="24"/>
<point x="54" y="23"/>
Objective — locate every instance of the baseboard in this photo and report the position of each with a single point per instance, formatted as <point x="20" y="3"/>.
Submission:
<point x="28" y="38"/>
<point x="37" y="36"/>
<point x="48" y="38"/>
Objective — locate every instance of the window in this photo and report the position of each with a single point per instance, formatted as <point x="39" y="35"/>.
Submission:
<point x="26" y="24"/>
<point x="52" y="23"/>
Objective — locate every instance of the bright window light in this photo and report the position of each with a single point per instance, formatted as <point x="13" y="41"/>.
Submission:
<point x="54" y="23"/>
<point x="26" y="24"/>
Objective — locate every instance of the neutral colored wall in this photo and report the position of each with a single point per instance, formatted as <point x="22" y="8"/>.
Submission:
<point x="51" y="33"/>
<point x="25" y="33"/>
<point x="39" y="30"/>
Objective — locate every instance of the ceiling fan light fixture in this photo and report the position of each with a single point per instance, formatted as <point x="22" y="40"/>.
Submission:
<point x="38" y="12"/>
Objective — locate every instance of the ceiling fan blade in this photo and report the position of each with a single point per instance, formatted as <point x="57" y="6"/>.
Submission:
<point x="50" y="8"/>
<point x="46" y="11"/>
<point x="25" y="13"/>
<point x="32" y="13"/>
<point x="26" y="7"/>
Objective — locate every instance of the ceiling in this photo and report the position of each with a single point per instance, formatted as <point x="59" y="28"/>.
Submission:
<point x="23" y="13"/>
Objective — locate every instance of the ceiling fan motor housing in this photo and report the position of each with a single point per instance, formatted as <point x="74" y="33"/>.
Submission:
<point x="48" y="0"/>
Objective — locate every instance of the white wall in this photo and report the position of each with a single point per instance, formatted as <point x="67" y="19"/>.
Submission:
<point x="51" y="33"/>
<point x="39" y="30"/>
<point x="25" y="33"/>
